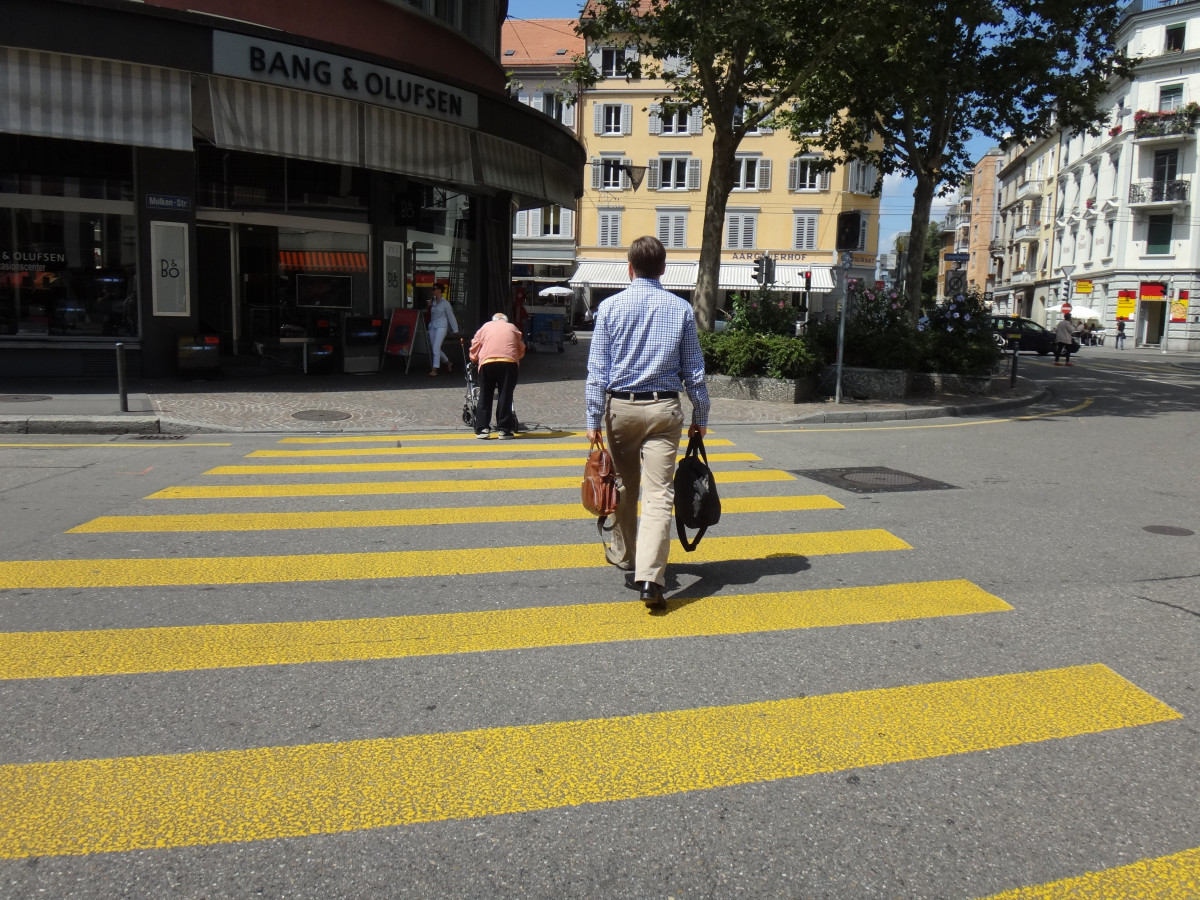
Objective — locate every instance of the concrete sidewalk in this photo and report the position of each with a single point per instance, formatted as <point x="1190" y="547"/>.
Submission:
<point x="261" y="399"/>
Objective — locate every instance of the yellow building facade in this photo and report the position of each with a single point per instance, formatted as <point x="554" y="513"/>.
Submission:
<point x="780" y="205"/>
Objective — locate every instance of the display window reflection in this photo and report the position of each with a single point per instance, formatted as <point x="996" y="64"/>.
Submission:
<point x="67" y="274"/>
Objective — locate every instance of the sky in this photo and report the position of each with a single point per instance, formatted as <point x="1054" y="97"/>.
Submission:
<point x="895" y="206"/>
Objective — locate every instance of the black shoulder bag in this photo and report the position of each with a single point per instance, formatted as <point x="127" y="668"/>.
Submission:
<point x="696" y="502"/>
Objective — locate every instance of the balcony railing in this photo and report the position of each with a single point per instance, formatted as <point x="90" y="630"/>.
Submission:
<point x="996" y="248"/>
<point x="1163" y="124"/>
<point x="1027" y="232"/>
<point x="1022" y="276"/>
<point x="1141" y="192"/>
<point x="1031" y="188"/>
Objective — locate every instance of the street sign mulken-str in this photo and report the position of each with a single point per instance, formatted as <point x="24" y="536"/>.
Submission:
<point x="957" y="257"/>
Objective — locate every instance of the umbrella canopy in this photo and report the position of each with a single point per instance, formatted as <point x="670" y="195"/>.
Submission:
<point x="1077" y="312"/>
<point x="556" y="291"/>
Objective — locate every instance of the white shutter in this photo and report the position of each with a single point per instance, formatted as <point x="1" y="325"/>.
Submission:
<point x="596" y="58"/>
<point x="652" y="173"/>
<point x="695" y="120"/>
<point x="539" y="102"/>
<point x="626" y="118"/>
<point x="749" y="224"/>
<point x="631" y="56"/>
<point x="520" y="223"/>
<point x="824" y="182"/>
<point x="535" y="223"/>
<point x="598" y="118"/>
<point x="656" y="118"/>
<point x="568" y="115"/>
<point x="693" y="175"/>
<point x="765" y="129"/>
<point x="523" y="97"/>
<point x="806" y="232"/>
<point x="793" y="174"/>
<point x="664" y="229"/>
<point x="672" y="65"/>
<point x="679" y="230"/>
<point x="614" y="229"/>
<point x="567" y="218"/>
<point x="597" y="174"/>
<point x="625" y="161"/>
<point x="602" y="231"/>
<point x="764" y="174"/>
<point x="732" y="231"/>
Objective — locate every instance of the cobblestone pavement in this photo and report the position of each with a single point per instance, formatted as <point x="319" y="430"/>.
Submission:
<point x="549" y="395"/>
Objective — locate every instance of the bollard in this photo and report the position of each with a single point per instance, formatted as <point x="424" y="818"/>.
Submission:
<point x="121" y="378"/>
<point x="1012" y="381"/>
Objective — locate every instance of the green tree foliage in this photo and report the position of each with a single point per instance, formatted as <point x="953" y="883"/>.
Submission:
<point x="749" y="55"/>
<point x="927" y="76"/>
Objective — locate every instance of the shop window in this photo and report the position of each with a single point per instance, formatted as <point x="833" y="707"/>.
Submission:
<point x="1158" y="234"/>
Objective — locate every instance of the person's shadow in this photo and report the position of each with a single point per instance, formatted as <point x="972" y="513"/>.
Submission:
<point x="712" y="576"/>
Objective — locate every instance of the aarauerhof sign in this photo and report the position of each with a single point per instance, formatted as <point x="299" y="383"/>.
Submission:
<point x="253" y="59"/>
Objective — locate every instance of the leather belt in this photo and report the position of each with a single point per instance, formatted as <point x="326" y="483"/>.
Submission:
<point x="644" y="395"/>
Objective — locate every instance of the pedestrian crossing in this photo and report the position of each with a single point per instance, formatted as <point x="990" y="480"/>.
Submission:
<point x="155" y="802"/>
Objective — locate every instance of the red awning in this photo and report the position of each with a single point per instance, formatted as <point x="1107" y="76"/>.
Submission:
<point x="1153" y="291"/>
<point x="322" y="261"/>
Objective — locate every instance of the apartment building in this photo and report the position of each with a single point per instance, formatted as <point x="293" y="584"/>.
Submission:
<point x="1126" y="219"/>
<point x="536" y="53"/>
<point x="983" y="244"/>
<point x="647" y="171"/>
<point x="1026" y="282"/>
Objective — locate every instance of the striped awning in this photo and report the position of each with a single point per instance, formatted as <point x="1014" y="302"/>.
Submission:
<point x="677" y="277"/>
<point x="322" y="261"/>
<point x="415" y="145"/>
<point x="740" y="277"/>
<point x="83" y="99"/>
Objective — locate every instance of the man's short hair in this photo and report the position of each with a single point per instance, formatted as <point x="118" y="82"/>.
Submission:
<point x="648" y="257"/>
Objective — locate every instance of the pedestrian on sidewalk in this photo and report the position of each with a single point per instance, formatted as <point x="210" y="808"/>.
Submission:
<point x="497" y="349"/>
<point x="1121" y="334"/>
<point x="441" y="323"/>
<point x="644" y="351"/>
<point x="1064" y="340"/>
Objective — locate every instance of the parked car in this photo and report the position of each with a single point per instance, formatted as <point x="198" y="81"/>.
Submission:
<point x="1034" y="337"/>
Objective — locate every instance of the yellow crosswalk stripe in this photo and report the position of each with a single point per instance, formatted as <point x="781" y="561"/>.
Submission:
<point x="420" y="449"/>
<point x="191" y="799"/>
<point x="62" y="654"/>
<point x="368" y="488"/>
<point x="392" y="518"/>
<point x="75" y="573"/>
<point x="399" y="437"/>
<point x="438" y="465"/>
<point x="1173" y="877"/>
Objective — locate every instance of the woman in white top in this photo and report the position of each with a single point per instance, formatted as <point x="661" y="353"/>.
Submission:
<point x="441" y="323"/>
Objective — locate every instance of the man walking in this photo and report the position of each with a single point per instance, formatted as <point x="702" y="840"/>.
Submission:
<point x="644" y="351"/>
<point x="1064" y="340"/>
<point x="497" y="348"/>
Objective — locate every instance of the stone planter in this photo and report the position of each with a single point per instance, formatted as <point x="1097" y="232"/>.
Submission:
<point x="871" y="384"/>
<point x="778" y="390"/>
<point x="942" y="383"/>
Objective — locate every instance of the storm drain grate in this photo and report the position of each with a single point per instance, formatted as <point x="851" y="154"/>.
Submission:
<point x="23" y="398"/>
<point x="873" y="480"/>
<point x="156" y="437"/>
<point x="320" y="415"/>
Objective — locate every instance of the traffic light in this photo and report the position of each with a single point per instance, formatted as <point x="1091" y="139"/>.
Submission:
<point x="760" y="269"/>
<point x="769" y="271"/>
<point x="848" y="230"/>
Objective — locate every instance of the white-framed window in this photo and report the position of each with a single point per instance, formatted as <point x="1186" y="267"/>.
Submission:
<point x="608" y="173"/>
<point x="749" y="110"/>
<point x="1170" y="97"/>
<point x="804" y="230"/>
<point x="675" y="118"/>
<point x="752" y="173"/>
<point x="1175" y="38"/>
<point x="862" y="177"/>
<point x="612" y="118"/>
<point x="557" y="221"/>
<point x="609" y="231"/>
<point x="551" y="104"/>
<point x="672" y="227"/>
<point x="741" y="229"/>
<point x="611" y="59"/>
<point x="804" y="175"/>
<point x="675" y="172"/>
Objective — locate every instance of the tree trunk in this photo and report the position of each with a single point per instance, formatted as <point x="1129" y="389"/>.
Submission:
<point x="917" y="235"/>
<point x="708" y="275"/>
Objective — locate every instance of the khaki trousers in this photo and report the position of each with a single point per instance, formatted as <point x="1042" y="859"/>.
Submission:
<point x="643" y="437"/>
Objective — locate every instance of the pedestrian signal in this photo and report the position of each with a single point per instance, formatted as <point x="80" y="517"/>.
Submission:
<point x="849" y="230"/>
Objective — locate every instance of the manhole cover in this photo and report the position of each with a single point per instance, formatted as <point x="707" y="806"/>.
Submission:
<point x="873" y="479"/>
<point x="23" y="398"/>
<point x="1172" y="530"/>
<point x="320" y="415"/>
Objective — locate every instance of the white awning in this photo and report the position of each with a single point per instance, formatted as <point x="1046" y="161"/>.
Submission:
<point x="740" y="277"/>
<point x="84" y="99"/>
<point x="677" y="277"/>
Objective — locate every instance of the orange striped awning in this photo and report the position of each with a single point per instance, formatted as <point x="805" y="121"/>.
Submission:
<point x="322" y="261"/>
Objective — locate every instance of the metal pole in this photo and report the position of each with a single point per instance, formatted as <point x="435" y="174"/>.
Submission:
<point x="846" y="259"/>
<point x="121" y="389"/>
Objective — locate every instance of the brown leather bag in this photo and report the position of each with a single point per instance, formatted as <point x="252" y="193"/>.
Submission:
<point x="599" y="489"/>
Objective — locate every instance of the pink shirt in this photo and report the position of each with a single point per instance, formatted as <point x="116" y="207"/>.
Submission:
<point x="497" y="341"/>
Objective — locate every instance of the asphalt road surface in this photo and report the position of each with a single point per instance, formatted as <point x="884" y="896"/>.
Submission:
<point x="952" y="659"/>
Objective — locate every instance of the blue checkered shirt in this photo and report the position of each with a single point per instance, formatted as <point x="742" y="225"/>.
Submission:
<point x="645" y="340"/>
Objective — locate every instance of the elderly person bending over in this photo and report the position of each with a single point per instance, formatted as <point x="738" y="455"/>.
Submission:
<point x="497" y="349"/>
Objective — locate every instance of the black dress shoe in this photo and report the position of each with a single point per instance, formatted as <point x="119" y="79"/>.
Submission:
<point x="651" y="594"/>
